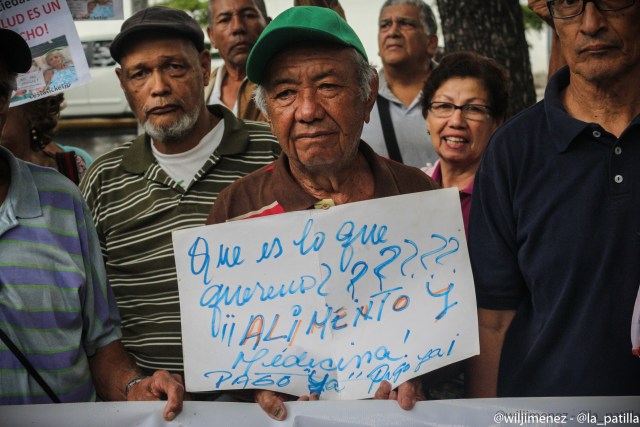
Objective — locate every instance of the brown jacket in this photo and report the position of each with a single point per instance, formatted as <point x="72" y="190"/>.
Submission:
<point x="247" y="108"/>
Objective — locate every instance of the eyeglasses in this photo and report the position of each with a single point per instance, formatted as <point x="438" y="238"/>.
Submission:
<point x="565" y="9"/>
<point x="469" y="111"/>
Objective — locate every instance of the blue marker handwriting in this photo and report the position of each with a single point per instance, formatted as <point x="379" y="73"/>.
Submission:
<point x="359" y="274"/>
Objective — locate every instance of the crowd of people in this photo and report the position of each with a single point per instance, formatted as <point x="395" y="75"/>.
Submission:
<point x="294" y="119"/>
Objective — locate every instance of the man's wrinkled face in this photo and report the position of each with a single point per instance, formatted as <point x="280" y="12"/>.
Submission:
<point x="234" y="27"/>
<point x="163" y="80"/>
<point x="402" y="38"/>
<point x="315" y="108"/>
<point x="602" y="46"/>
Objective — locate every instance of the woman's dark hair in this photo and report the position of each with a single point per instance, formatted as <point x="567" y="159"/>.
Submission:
<point x="42" y="117"/>
<point x="493" y="76"/>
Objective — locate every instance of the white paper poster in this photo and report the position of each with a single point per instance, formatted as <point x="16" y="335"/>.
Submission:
<point x="327" y="301"/>
<point x="58" y="62"/>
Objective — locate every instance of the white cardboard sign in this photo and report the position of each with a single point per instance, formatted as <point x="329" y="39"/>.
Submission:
<point x="329" y="301"/>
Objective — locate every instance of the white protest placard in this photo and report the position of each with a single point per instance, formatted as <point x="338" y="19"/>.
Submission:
<point x="58" y="62"/>
<point x="328" y="301"/>
<point x="96" y="9"/>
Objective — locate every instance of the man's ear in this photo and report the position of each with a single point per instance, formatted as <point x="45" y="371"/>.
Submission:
<point x="372" y="98"/>
<point x="432" y="45"/>
<point x="120" y="76"/>
<point x="210" y="34"/>
<point x="205" y="62"/>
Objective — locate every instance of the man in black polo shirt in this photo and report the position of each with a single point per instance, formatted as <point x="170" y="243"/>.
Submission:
<point x="554" y="228"/>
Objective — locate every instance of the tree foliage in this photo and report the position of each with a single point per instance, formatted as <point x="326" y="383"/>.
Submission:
<point x="197" y="8"/>
<point x="531" y="20"/>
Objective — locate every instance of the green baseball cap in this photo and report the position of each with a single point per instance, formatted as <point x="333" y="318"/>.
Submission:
<point x="298" y="25"/>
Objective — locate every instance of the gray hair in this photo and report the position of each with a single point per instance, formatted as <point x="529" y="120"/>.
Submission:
<point x="366" y="73"/>
<point x="426" y="14"/>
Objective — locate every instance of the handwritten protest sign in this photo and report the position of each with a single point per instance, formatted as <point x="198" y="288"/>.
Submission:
<point x="58" y="62"/>
<point x="328" y="301"/>
<point x="96" y="9"/>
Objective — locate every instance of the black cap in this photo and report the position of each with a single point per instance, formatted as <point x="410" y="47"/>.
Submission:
<point x="14" y="52"/>
<point x="165" y="20"/>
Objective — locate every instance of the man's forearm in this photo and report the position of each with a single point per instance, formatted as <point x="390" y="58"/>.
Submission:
<point x="112" y="368"/>
<point x="482" y="373"/>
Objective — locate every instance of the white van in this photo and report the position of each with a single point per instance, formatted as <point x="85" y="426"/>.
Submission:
<point x="103" y="95"/>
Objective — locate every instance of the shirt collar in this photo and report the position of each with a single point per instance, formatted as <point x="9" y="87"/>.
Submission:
<point x="23" y="194"/>
<point x="292" y="196"/>
<point x="385" y="91"/>
<point x="564" y="128"/>
<point x="436" y="175"/>
<point x="235" y="138"/>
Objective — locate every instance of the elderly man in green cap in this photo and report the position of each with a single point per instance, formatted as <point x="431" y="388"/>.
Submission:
<point x="316" y="88"/>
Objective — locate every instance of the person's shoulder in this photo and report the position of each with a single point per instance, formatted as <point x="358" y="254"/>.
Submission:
<point x="252" y="180"/>
<point x="519" y="134"/>
<point x="234" y="126"/>
<point x="525" y="120"/>
<point x="51" y="181"/>
<point x="112" y="156"/>
<point x="260" y="139"/>
<point x="107" y="164"/>
<point x="409" y="176"/>
<point x="258" y="129"/>
<point x="246" y="194"/>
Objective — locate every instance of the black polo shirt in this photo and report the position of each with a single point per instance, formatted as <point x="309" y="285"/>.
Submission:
<point x="555" y="234"/>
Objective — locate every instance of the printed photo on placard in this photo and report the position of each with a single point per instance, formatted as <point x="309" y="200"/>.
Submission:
<point x="52" y="70"/>
<point x="96" y="9"/>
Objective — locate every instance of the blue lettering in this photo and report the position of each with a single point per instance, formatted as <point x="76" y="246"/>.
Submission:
<point x="374" y="236"/>
<point x="203" y="256"/>
<point x="410" y="257"/>
<point x="267" y="251"/>
<point x="454" y="250"/>
<point x="263" y="352"/>
<point x="435" y="251"/>
<point x="396" y="250"/>
<point x="341" y="313"/>
<point x="224" y="376"/>
<point x="317" y="243"/>
<point x="439" y="294"/>
<point x="322" y="324"/>
<point x="362" y="268"/>
<point x="223" y="257"/>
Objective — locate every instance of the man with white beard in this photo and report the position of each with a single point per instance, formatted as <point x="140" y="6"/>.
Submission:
<point x="166" y="179"/>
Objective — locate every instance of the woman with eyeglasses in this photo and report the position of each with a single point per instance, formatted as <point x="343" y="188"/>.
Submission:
<point x="464" y="101"/>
